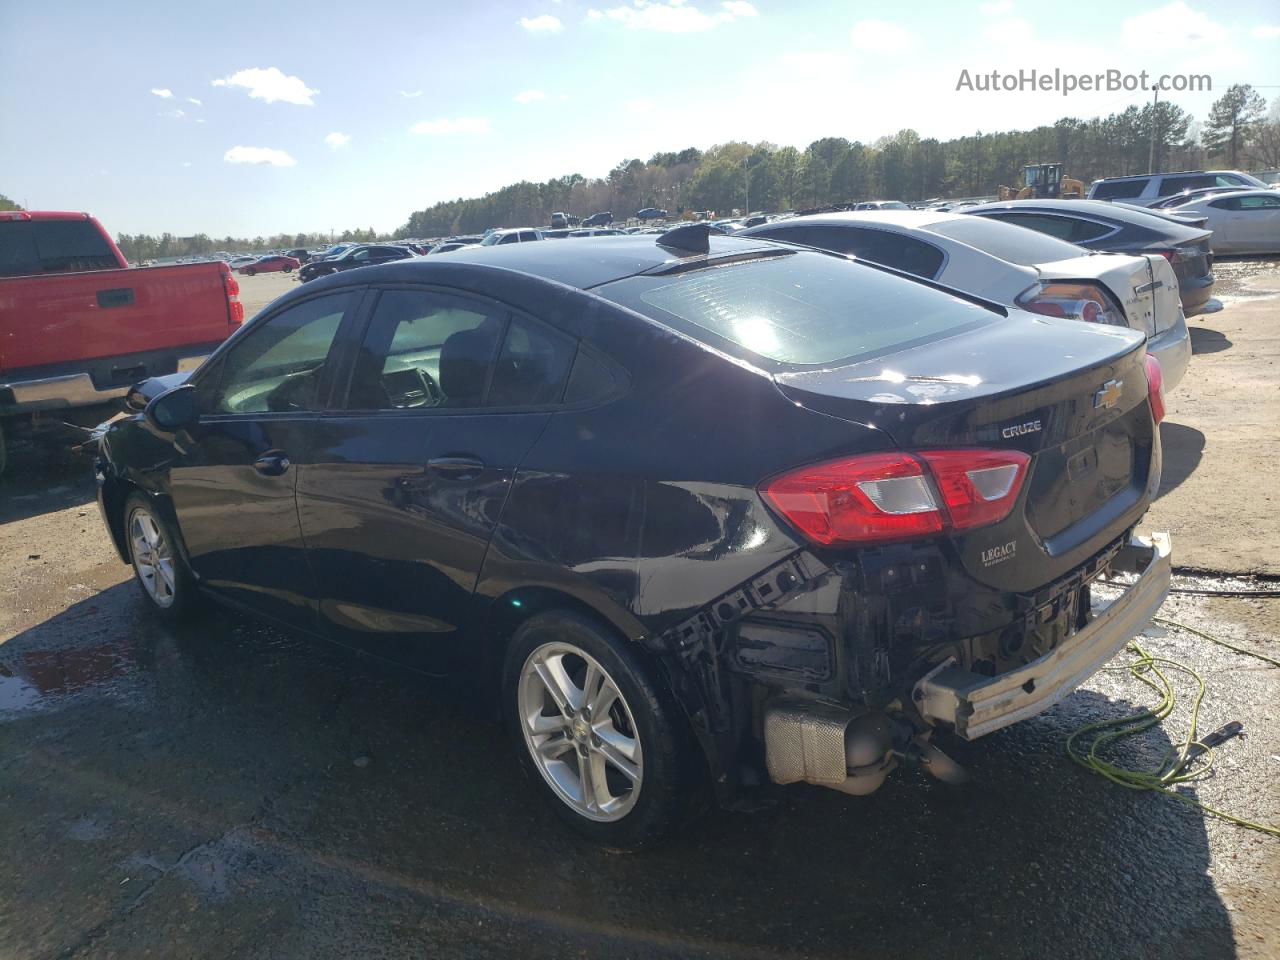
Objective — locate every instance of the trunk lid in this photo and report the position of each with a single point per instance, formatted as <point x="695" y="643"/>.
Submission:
<point x="1072" y="396"/>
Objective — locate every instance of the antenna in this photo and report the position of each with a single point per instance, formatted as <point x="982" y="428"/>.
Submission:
<point x="691" y="238"/>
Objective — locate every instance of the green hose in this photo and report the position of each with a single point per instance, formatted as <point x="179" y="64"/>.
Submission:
<point x="1173" y="767"/>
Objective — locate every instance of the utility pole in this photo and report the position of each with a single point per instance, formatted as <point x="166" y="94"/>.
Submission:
<point x="1155" y="118"/>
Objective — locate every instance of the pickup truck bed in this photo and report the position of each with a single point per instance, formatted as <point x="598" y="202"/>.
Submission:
<point x="74" y="339"/>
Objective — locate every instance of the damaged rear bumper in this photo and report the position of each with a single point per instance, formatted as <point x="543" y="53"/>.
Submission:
<point x="974" y="705"/>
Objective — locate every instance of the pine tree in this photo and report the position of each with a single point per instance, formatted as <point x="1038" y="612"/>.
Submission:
<point x="1231" y="119"/>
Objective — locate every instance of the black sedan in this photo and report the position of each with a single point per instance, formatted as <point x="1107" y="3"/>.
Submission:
<point x="1113" y="228"/>
<point x="674" y="505"/>
<point x="362" y="256"/>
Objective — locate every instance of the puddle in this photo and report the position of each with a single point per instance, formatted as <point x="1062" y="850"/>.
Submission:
<point x="36" y="679"/>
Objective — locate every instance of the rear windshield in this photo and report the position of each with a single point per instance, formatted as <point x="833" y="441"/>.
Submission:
<point x="43" y="246"/>
<point x="1013" y="244"/>
<point x="800" y="309"/>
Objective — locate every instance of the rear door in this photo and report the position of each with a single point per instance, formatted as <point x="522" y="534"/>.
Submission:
<point x="232" y="479"/>
<point x="1259" y="223"/>
<point x="405" y="485"/>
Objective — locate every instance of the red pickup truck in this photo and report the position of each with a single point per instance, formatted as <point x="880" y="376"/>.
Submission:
<point x="79" y="326"/>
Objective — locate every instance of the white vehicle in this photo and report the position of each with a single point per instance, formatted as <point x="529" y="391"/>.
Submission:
<point x="1247" y="221"/>
<point x="1144" y="190"/>
<point x="1011" y="265"/>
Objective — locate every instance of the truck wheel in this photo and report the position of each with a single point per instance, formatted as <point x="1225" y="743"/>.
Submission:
<point x="603" y="741"/>
<point x="161" y="573"/>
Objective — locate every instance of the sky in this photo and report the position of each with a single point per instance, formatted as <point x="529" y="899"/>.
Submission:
<point x="256" y="118"/>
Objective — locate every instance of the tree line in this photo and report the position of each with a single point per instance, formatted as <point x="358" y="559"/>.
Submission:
<point x="138" y="247"/>
<point x="904" y="166"/>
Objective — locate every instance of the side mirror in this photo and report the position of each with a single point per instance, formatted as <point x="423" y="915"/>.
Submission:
<point x="174" y="409"/>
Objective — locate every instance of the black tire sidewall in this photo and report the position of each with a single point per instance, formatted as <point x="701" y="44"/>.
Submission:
<point x="666" y="784"/>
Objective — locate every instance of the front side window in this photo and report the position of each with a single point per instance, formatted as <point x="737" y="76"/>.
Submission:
<point x="277" y="367"/>
<point x="1171" y="185"/>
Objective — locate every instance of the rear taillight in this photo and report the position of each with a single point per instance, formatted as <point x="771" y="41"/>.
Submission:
<point x="884" y="497"/>
<point x="235" y="309"/>
<point x="1074" y="301"/>
<point x="1171" y="255"/>
<point x="1155" y="387"/>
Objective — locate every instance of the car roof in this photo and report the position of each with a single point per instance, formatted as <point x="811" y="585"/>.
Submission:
<point x="903" y="219"/>
<point x="594" y="260"/>
<point x="591" y="262"/>
<point x="1132" y="216"/>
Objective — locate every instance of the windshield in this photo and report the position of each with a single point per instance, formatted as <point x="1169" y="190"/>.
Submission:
<point x="1006" y="241"/>
<point x="491" y="239"/>
<point x="801" y="309"/>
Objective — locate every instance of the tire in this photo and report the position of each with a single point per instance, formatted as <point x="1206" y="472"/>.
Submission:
<point x="250" y="273"/>
<point x="158" y="568"/>
<point x="287" y="269"/>
<point x="636" y="725"/>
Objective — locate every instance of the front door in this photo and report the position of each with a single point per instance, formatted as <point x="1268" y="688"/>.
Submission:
<point x="233" y="481"/>
<point x="402" y="491"/>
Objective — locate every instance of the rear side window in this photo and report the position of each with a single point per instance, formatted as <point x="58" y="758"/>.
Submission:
<point x="799" y="309"/>
<point x="880" y="246"/>
<point x="1119" y="189"/>
<point x="426" y="348"/>
<point x="51" y="246"/>
<point x="532" y="366"/>
<point x="1067" y="229"/>
<point x="1006" y="241"/>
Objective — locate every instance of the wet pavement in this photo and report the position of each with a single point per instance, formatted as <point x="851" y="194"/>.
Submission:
<point x="229" y="790"/>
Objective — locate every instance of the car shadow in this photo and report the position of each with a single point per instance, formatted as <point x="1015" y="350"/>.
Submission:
<point x="323" y="772"/>
<point x="42" y="481"/>
<point x="1183" y="449"/>
<point x="1206" y="340"/>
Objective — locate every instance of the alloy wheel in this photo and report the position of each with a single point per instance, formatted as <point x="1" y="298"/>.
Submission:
<point x="580" y="732"/>
<point x="152" y="558"/>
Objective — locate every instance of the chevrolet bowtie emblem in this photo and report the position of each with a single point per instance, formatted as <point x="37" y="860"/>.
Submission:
<point x="1109" y="395"/>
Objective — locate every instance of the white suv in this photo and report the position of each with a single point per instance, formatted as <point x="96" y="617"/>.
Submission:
<point x="1146" y="190"/>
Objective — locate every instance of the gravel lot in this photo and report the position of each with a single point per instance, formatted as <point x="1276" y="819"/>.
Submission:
<point x="227" y="790"/>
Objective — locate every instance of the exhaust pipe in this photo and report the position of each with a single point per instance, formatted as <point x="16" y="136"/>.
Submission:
<point x="826" y="745"/>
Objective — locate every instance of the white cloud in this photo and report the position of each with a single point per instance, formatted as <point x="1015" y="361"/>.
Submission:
<point x="673" y="16"/>
<point x="447" y="126"/>
<point x="337" y="140"/>
<point x="162" y="93"/>
<point x="1012" y="34"/>
<point x="1172" y="27"/>
<point x="198" y="103"/>
<point x="186" y="163"/>
<point x="881" y="36"/>
<point x="530" y="96"/>
<point x="995" y="8"/>
<point x="639" y="105"/>
<point x="270" y="84"/>
<point x="410" y="94"/>
<point x="259" y="155"/>
<point x="543" y="24"/>
<point x="1266" y="32"/>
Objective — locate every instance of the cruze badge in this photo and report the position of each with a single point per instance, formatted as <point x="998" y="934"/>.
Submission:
<point x="1031" y="426"/>
<point x="1109" y="395"/>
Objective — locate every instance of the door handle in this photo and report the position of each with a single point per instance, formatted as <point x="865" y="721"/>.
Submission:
<point x="456" y="468"/>
<point x="272" y="463"/>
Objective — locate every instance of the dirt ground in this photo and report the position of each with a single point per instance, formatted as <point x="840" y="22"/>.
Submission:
<point x="226" y="790"/>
